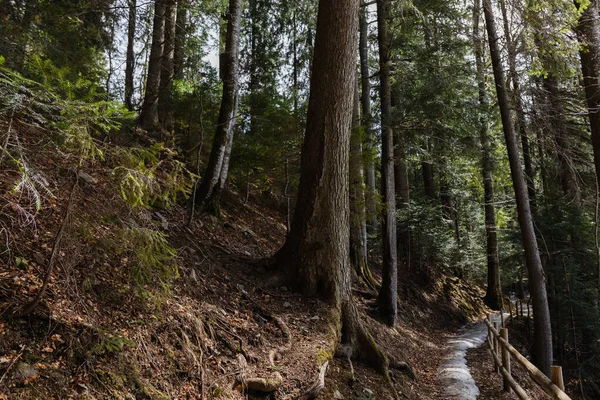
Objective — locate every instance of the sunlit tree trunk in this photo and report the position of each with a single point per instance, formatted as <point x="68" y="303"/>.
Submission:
<point x="367" y="116"/>
<point x="387" y="299"/>
<point x="209" y="191"/>
<point x="537" y="281"/>
<point x="130" y="55"/>
<point x="149" y="113"/>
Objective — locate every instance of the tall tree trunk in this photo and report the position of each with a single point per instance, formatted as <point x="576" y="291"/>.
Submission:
<point x="167" y="66"/>
<point x="556" y="114"/>
<point x="387" y="300"/>
<point x="130" y="56"/>
<point x="537" y="284"/>
<point x="315" y="254"/>
<point x="180" y="39"/>
<point x="367" y="116"/>
<point x="521" y="126"/>
<point x="401" y="182"/>
<point x="358" y="223"/>
<point x="209" y="191"/>
<point x="588" y="34"/>
<point x="493" y="295"/>
<point x="149" y="113"/>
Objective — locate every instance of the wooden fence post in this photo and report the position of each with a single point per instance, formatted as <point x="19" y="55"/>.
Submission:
<point x="557" y="377"/>
<point x="505" y="358"/>
<point x="510" y="309"/>
<point x="495" y="346"/>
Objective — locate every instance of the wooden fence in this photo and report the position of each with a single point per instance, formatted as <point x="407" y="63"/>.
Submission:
<point x="502" y="351"/>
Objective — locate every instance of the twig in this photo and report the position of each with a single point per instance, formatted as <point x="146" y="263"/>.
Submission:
<point x="12" y="363"/>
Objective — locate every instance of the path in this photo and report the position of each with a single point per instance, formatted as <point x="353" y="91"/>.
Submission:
<point x="454" y="375"/>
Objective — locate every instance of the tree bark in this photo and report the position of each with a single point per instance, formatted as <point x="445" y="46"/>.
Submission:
<point x="537" y="284"/>
<point x="521" y="126"/>
<point x="213" y="181"/>
<point x="401" y="183"/>
<point x="167" y="66"/>
<point x="367" y="116"/>
<point x="315" y="255"/>
<point x="130" y="55"/>
<point x="387" y="300"/>
<point x="149" y="113"/>
<point x="180" y="39"/>
<point x="588" y="34"/>
<point x="493" y="296"/>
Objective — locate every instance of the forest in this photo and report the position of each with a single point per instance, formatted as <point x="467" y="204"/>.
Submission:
<point x="277" y="199"/>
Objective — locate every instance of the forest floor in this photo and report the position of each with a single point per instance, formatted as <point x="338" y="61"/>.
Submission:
<point x="94" y="336"/>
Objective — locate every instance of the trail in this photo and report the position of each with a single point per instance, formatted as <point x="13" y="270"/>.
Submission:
<point x="454" y="375"/>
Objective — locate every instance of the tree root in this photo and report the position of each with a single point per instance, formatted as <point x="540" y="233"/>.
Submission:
<point x="274" y="380"/>
<point x="313" y="390"/>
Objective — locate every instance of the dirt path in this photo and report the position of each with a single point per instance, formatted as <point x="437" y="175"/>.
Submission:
<point x="454" y="374"/>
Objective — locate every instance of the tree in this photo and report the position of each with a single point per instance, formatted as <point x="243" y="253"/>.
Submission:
<point x="588" y="34"/>
<point x="315" y="257"/>
<point x="167" y="66"/>
<point x="367" y="116"/>
<point x="208" y="194"/>
<point x="493" y="296"/>
<point x="149" y="113"/>
<point x="181" y="29"/>
<point x="130" y="56"/>
<point x="537" y="284"/>
<point x="387" y="300"/>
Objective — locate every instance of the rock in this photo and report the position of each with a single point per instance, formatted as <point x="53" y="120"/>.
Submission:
<point x="315" y="318"/>
<point x="337" y="395"/>
<point x="26" y="372"/>
<point x="368" y="393"/>
<point x="286" y="304"/>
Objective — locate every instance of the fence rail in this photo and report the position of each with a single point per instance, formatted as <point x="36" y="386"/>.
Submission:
<point x="502" y="351"/>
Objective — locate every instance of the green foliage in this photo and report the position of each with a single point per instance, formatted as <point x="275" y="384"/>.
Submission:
<point x="148" y="176"/>
<point x="110" y="343"/>
<point x="153" y="260"/>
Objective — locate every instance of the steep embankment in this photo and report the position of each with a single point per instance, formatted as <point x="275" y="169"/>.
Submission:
<point x="142" y="304"/>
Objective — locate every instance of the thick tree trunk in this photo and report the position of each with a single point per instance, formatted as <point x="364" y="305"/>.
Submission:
<point x="493" y="296"/>
<point x="537" y="284"/>
<point x="521" y="126"/>
<point x="428" y="184"/>
<point x="588" y="34"/>
<point x="213" y="181"/>
<point x="315" y="254"/>
<point x="167" y="66"/>
<point x="180" y="39"/>
<point x="149" y="114"/>
<point x="367" y="116"/>
<point x="130" y="55"/>
<point x="387" y="299"/>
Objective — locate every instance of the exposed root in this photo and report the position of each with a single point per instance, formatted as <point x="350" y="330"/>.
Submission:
<point x="405" y="368"/>
<point x="274" y="380"/>
<point x="313" y="390"/>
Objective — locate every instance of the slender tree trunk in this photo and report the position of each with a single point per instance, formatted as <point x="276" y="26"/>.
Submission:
<point x="387" y="299"/>
<point x="180" y="39"/>
<point x="367" y="116"/>
<point x="556" y="115"/>
<point x="400" y="166"/>
<point x="358" y="223"/>
<point x="149" y="114"/>
<point x="493" y="296"/>
<point x="588" y="34"/>
<point x="208" y="193"/>
<point x="315" y="255"/>
<point x="167" y="67"/>
<point x="537" y="284"/>
<point x="428" y="184"/>
<point x="521" y="126"/>
<point x="130" y="55"/>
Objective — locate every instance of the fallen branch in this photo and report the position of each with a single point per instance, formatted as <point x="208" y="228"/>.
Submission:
<point x="27" y="309"/>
